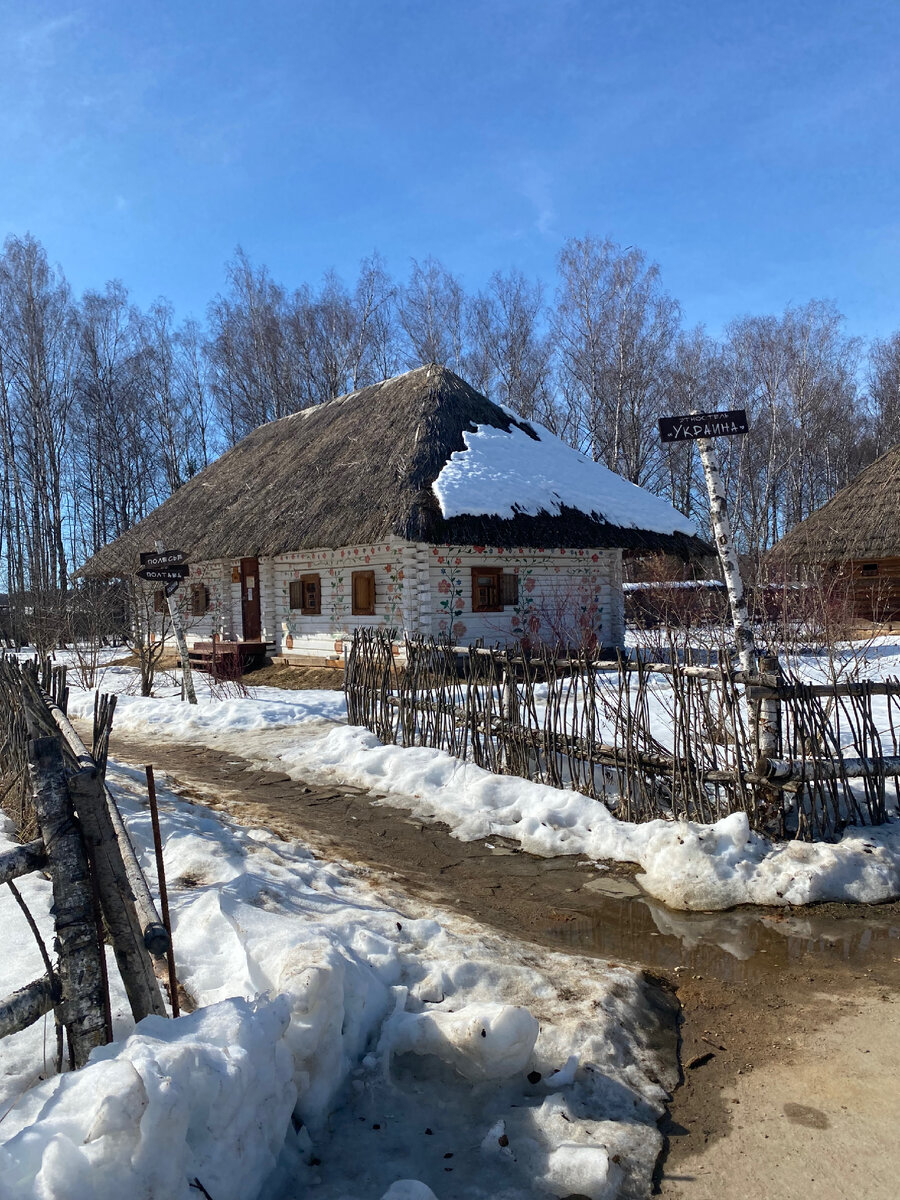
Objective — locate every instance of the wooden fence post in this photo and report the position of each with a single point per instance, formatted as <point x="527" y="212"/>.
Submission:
<point x="82" y="1009"/>
<point x="768" y="715"/>
<point x="155" y="937"/>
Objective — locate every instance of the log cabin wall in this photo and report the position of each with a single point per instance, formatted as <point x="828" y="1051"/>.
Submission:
<point x="876" y="589"/>
<point x="557" y="594"/>
<point x="385" y="573"/>
<point x="561" y="595"/>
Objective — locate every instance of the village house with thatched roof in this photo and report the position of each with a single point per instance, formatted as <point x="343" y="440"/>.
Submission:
<point x="415" y="505"/>
<point x="856" y="535"/>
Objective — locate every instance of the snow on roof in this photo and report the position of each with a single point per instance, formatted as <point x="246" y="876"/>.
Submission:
<point x="509" y="473"/>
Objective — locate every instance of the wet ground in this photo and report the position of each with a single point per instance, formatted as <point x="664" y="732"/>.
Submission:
<point x="761" y="990"/>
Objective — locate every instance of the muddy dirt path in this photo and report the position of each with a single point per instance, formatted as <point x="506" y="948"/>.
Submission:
<point x="791" y="1024"/>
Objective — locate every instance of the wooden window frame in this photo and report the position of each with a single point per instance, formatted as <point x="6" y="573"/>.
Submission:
<point x="869" y="570"/>
<point x="357" y="608"/>
<point x="495" y="573"/>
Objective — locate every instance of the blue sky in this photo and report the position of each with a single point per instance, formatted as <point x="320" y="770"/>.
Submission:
<point x="751" y="148"/>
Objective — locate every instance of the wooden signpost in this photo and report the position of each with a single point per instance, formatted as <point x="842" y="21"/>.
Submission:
<point x="702" y="428"/>
<point x="169" y="567"/>
<point x="163" y="574"/>
<point x="164" y="558"/>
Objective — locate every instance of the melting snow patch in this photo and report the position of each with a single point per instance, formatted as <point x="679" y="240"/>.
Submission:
<point x="486" y="1041"/>
<point x="208" y="1096"/>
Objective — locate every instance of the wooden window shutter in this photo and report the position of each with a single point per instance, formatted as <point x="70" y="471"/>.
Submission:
<point x="159" y="601"/>
<point x="199" y="599"/>
<point x="295" y="589"/>
<point x="486" y="589"/>
<point x="509" y="589"/>
<point x="363" y="589"/>
<point x="311" y="595"/>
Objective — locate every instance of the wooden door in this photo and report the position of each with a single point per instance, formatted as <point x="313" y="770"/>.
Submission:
<point x="251" y="620"/>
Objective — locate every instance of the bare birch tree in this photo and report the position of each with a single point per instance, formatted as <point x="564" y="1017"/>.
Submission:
<point x="614" y="325"/>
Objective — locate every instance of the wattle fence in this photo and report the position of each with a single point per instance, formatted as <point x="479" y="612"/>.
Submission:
<point x="657" y="739"/>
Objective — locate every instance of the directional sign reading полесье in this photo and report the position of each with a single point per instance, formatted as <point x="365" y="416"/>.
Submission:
<point x="162" y="558"/>
<point x="703" y="425"/>
<point x="162" y="574"/>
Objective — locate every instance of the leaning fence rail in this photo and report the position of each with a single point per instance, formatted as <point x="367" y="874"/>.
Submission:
<point x="650" y="739"/>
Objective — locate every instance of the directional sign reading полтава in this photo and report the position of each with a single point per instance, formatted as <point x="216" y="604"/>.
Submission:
<point x="163" y="574"/>
<point x="162" y="558"/>
<point x="703" y="425"/>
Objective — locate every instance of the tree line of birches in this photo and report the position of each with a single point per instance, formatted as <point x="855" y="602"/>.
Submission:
<point x="106" y="409"/>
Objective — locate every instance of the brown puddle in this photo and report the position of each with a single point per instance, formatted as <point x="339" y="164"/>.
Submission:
<point x="737" y="946"/>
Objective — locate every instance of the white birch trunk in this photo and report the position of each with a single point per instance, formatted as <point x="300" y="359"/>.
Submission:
<point x="743" y="631"/>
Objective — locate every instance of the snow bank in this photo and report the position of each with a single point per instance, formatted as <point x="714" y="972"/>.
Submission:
<point x="206" y="1097"/>
<point x="405" y="1038"/>
<point x="505" y="474"/>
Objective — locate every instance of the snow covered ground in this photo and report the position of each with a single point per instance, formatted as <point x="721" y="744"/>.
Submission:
<point x="349" y="1044"/>
<point x="685" y="865"/>
<point x="409" y="1046"/>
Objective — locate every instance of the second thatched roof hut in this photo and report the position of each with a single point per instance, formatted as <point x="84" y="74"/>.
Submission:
<point x="856" y="534"/>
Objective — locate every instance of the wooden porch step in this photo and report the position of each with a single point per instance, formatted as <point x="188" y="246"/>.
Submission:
<point x="233" y="656"/>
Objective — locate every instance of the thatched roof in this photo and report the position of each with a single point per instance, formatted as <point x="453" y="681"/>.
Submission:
<point x="861" y="522"/>
<point x="356" y="470"/>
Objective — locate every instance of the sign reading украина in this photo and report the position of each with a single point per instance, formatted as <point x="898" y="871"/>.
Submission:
<point x="703" y="425"/>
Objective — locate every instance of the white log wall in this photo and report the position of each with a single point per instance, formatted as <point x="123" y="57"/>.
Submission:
<point x="563" y="594"/>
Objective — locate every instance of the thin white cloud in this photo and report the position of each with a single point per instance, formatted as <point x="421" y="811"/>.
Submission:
<point x="534" y="182"/>
<point x="37" y="44"/>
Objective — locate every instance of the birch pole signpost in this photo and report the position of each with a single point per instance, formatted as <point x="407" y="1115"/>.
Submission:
<point x="702" y="428"/>
<point x="168" y="567"/>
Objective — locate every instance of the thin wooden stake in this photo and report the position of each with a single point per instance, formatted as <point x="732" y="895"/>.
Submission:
<point x="163" y="891"/>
